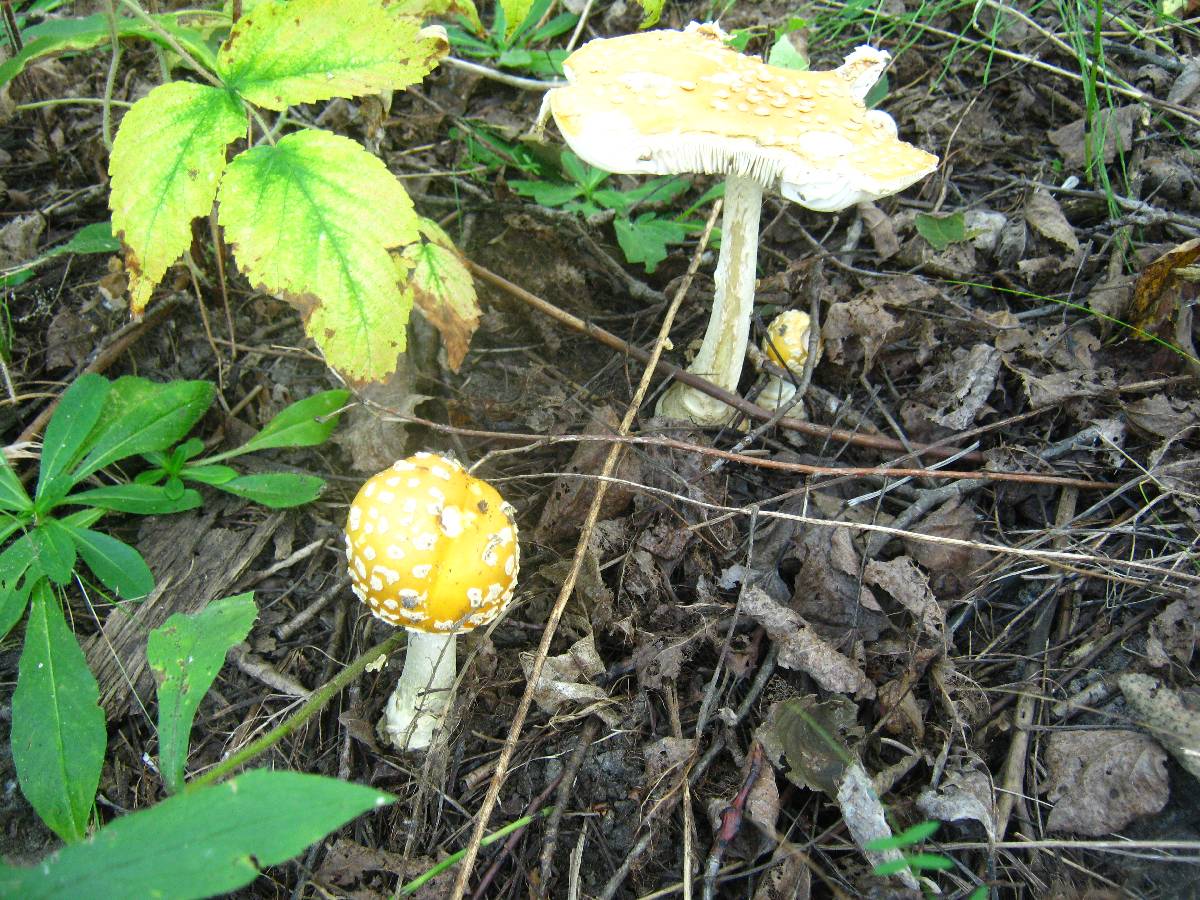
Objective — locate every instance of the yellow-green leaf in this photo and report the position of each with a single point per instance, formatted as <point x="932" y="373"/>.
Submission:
<point x="652" y="10"/>
<point x="166" y="163"/>
<point x="515" y="12"/>
<point x="281" y="54"/>
<point x="312" y="219"/>
<point x="443" y="289"/>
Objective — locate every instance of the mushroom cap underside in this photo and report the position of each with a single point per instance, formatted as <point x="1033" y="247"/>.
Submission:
<point x="667" y="102"/>
<point x="430" y="547"/>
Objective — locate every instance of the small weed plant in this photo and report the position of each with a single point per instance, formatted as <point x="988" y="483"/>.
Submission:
<point x="51" y="539"/>
<point x="204" y="839"/>
<point x="917" y="862"/>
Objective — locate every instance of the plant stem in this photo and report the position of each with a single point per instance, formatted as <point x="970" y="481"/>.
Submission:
<point x="724" y="349"/>
<point x="314" y="704"/>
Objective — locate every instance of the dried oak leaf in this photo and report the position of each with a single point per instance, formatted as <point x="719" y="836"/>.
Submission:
<point x="1173" y="717"/>
<point x="1045" y="216"/>
<point x="1163" y="416"/>
<point x="1100" y="781"/>
<point x="1160" y="291"/>
<point x="964" y="794"/>
<point x="1115" y="125"/>
<point x="801" y="648"/>
<point x="909" y="586"/>
<point x="1174" y="632"/>
<point x="951" y="568"/>
<point x="563" y="689"/>
<point x="827" y="590"/>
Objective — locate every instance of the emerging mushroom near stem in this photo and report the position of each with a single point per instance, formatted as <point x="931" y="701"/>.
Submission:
<point x="670" y="102"/>
<point x="434" y="550"/>
<point x="786" y="346"/>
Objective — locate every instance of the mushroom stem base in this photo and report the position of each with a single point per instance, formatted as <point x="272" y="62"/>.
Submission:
<point x="723" y="351"/>
<point x="418" y="706"/>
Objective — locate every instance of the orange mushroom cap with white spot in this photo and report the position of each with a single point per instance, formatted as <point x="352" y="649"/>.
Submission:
<point x="431" y="547"/>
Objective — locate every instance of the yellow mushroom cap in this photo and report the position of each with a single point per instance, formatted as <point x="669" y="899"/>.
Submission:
<point x="664" y="102"/>
<point x="786" y="343"/>
<point x="431" y="547"/>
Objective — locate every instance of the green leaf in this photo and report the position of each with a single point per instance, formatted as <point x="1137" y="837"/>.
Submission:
<point x="13" y="599"/>
<point x="653" y="10"/>
<point x="54" y="550"/>
<point x="12" y="492"/>
<point x="214" y="475"/>
<point x="278" y="490"/>
<point x="141" y="499"/>
<point x="311" y="219"/>
<point x="305" y="423"/>
<point x="942" y="231"/>
<point x="119" y="567"/>
<point x="785" y="55"/>
<point x="142" y="416"/>
<point x="166" y="162"/>
<point x="185" y="654"/>
<point x="304" y="51"/>
<point x="61" y="35"/>
<point x="198" y="844"/>
<point x="58" y="731"/>
<point x="515" y="13"/>
<point x="444" y="290"/>
<point x="546" y="193"/>
<point x="16" y="558"/>
<point x="645" y="239"/>
<point x="77" y="413"/>
<point x="94" y="238"/>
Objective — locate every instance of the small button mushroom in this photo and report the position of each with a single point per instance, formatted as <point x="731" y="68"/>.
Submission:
<point x="434" y="550"/>
<point x="786" y="346"/>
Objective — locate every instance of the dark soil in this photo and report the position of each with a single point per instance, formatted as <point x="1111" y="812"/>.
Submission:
<point x="696" y="633"/>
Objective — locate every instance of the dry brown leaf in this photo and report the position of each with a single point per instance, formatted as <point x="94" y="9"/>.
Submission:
<point x="827" y="589"/>
<point x="1174" y="632"/>
<point x="571" y="497"/>
<point x="563" y="689"/>
<point x="664" y="756"/>
<point x="909" y="586"/>
<point x="762" y="804"/>
<point x="951" y="569"/>
<point x="1100" y="781"/>
<point x="1116" y="125"/>
<point x="1163" y="416"/>
<point x="68" y="340"/>
<point x="857" y="330"/>
<point x="1159" y="292"/>
<point x="1045" y="216"/>
<point x="904" y="716"/>
<point x="1173" y="717"/>
<point x="963" y="386"/>
<point x="964" y="794"/>
<point x="802" y="648"/>
<point x="881" y="229"/>
<point x="788" y="878"/>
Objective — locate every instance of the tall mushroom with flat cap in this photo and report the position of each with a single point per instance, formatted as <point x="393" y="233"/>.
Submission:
<point x="670" y="102"/>
<point x="434" y="550"/>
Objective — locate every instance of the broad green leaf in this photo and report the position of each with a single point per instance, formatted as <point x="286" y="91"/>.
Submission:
<point x="443" y="289"/>
<point x="54" y="550"/>
<point x="784" y="54"/>
<point x="942" y="231"/>
<point x="545" y="193"/>
<point x="198" y="844"/>
<point x="166" y="162"/>
<point x="94" y="238"/>
<point x="646" y="238"/>
<point x="58" y="732"/>
<point x="142" y="416"/>
<point x="16" y="558"/>
<point x="305" y="423"/>
<point x="119" y="567"/>
<point x="278" y="490"/>
<point x="214" y="475"/>
<point x="77" y="413"/>
<point x="12" y="492"/>
<point x="311" y="219"/>
<point x="304" y="51"/>
<point x="515" y="13"/>
<point x="61" y="35"/>
<point x="185" y="654"/>
<point x="141" y="499"/>
<point x="13" y="599"/>
<point x="652" y="10"/>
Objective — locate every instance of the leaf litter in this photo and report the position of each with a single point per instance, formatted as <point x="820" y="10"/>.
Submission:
<point x="909" y="655"/>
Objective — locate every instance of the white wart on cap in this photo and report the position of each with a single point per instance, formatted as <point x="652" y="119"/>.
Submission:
<point x="665" y="102"/>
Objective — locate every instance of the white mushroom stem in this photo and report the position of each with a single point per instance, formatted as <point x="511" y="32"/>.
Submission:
<point x="724" y="348"/>
<point x="417" y="707"/>
<point x="778" y="392"/>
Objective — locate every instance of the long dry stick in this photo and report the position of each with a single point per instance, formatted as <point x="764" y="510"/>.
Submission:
<point x="560" y="605"/>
